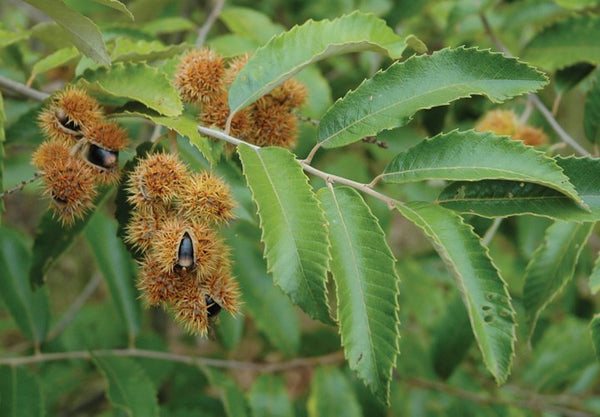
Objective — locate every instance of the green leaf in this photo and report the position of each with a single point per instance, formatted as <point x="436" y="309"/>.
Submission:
<point x="331" y="395"/>
<point x="28" y="308"/>
<point x="232" y="45"/>
<point x="568" y="78"/>
<point x="565" y="43"/>
<point x="286" y="54"/>
<point x="84" y="33"/>
<point x="250" y="24"/>
<point x="268" y="397"/>
<point x="127" y="49"/>
<point x="20" y="393"/>
<point x="52" y="240"/>
<point x="8" y="38"/>
<point x="231" y="396"/>
<point x="116" y="266"/>
<point x="392" y="97"/>
<point x="165" y="25"/>
<point x="293" y="227"/>
<point x="136" y="81"/>
<point x="55" y="59"/>
<point x="595" y="332"/>
<point x="366" y="288"/>
<point x="552" y="266"/>
<point x="591" y="116"/>
<point x="117" y="5"/>
<point x="452" y="338"/>
<point x="130" y="390"/>
<point x="229" y="330"/>
<point x="595" y="276"/>
<point x="474" y="156"/>
<point x="2" y="140"/>
<point x="262" y="300"/>
<point x="483" y="290"/>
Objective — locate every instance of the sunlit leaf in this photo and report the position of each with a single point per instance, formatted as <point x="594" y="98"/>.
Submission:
<point x="126" y="49"/>
<point x="8" y="38"/>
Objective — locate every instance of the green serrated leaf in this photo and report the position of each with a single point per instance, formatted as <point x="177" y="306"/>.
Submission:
<point x="130" y="390"/>
<point x="117" y="5"/>
<point x="20" y="393"/>
<point x="366" y="288"/>
<point x="595" y="276"/>
<point x="84" y="33"/>
<point x="286" y="54"/>
<point x="29" y="309"/>
<point x="231" y="396"/>
<point x="552" y="266"/>
<point x="595" y="333"/>
<point x="392" y="97"/>
<point x="52" y="240"/>
<point x="483" y="290"/>
<point x="268" y="397"/>
<point x="507" y="198"/>
<point x="293" y="227"/>
<point x="8" y="38"/>
<point x="127" y="49"/>
<point x="331" y="395"/>
<point x="116" y="266"/>
<point x="591" y="116"/>
<point x="136" y="81"/>
<point x="250" y="24"/>
<point x="55" y="59"/>
<point x="475" y="156"/>
<point x="257" y="287"/>
<point x="567" y="42"/>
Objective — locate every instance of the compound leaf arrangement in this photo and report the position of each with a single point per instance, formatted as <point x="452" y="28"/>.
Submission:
<point x="205" y="203"/>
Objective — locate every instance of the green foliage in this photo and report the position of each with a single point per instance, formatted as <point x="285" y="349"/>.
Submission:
<point x="392" y="97"/>
<point x="55" y="59"/>
<point x="293" y="227"/>
<point x="595" y="331"/>
<point x="20" y="393"/>
<point x="231" y="396"/>
<point x="591" y="117"/>
<point x="366" y="282"/>
<point x="268" y="397"/>
<point x="332" y="395"/>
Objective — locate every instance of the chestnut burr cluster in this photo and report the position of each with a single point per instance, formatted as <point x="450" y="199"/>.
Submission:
<point x="203" y="78"/>
<point x="81" y="151"/>
<point x="185" y="262"/>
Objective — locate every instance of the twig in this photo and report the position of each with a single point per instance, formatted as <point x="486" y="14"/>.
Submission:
<point x="489" y="234"/>
<point x="20" y="186"/>
<point x="313" y="122"/>
<point x="174" y="357"/>
<point x="14" y="87"/>
<point x="564" y="136"/>
<point x="530" y="404"/>
<point x="209" y="22"/>
<point x="373" y="139"/>
<point x="365" y="188"/>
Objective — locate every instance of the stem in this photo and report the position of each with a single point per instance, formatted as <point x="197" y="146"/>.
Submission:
<point x="210" y="20"/>
<point x="489" y="234"/>
<point x="564" y="136"/>
<point x="20" y="186"/>
<point x="14" y="87"/>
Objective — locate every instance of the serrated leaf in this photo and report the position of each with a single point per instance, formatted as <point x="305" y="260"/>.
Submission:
<point x="366" y="282"/>
<point x="552" y="266"/>
<point x="483" y="290"/>
<point x="118" y="269"/>
<point x="564" y="43"/>
<point x="84" y="33"/>
<point x="452" y="338"/>
<point x="331" y="395"/>
<point x="52" y="239"/>
<point x="29" y="309"/>
<point x="117" y="5"/>
<point x="136" y="81"/>
<point x="595" y="333"/>
<point x="591" y="115"/>
<point x="250" y="24"/>
<point x="55" y="59"/>
<point x="130" y="390"/>
<point x="492" y="198"/>
<point x="268" y="397"/>
<point x="20" y="393"/>
<point x="392" y="97"/>
<point x="231" y="396"/>
<point x="595" y="276"/>
<point x="569" y="77"/>
<point x="8" y="38"/>
<point x="127" y="49"/>
<point x="293" y="227"/>
<point x="475" y="156"/>
<point x="286" y="54"/>
<point x="262" y="300"/>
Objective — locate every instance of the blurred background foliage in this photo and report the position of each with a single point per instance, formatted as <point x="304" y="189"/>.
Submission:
<point x="439" y="369"/>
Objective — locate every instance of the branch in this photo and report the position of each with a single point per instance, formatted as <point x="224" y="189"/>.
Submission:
<point x="210" y="21"/>
<point x="330" y="178"/>
<point x="20" y="185"/>
<point x="564" y="136"/>
<point x="14" y="87"/>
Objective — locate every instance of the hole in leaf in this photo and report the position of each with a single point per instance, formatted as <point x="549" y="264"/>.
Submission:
<point x="488" y="319"/>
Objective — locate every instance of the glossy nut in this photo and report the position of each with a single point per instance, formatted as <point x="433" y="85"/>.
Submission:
<point x="102" y="158"/>
<point x="185" y="254"/>
<point x="212" y="308"/>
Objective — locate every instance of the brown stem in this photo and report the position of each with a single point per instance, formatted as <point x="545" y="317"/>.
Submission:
<point x="208" y="24"/>
<point x="20" y="186"/>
